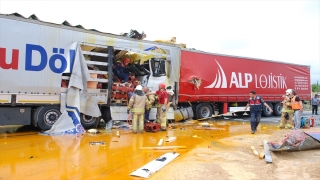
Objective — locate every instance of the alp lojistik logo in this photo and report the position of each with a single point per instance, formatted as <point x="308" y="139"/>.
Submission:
<point x="220" y="81"/>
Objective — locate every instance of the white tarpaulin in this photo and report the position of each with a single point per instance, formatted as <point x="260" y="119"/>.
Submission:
<point x="77" y="100"/>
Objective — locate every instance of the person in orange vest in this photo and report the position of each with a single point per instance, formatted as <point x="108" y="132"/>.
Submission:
<point x="297" y="107"/>
<point x="255" y="102"/>
<point x="120" y="70"/>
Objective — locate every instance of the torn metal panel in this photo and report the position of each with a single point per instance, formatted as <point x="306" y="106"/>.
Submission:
<point x="296" y="140"/>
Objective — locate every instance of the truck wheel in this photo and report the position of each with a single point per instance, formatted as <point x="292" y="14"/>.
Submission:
<point x="266" y="112"/>
<point x="204" y="111"/>
<point x="239" y="113"/>
<point x="46" y="116"/>
<point x="277" y="109"/>
<point x="89" y="122"/>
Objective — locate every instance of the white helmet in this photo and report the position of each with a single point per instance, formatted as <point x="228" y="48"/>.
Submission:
<point x="288" y="92"/>
<point x="139" y="87"/>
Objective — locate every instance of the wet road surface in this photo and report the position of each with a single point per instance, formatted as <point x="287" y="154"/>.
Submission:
<point x="25" y="154"/>
<point x="28" y="154"/>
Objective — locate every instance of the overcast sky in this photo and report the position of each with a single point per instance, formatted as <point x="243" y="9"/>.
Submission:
<point x="280" y="30"/>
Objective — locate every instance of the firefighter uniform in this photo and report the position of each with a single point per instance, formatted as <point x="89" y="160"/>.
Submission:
<point x="137" y="104"/>
<point x="286" y="114"/>
<point x="151" y="99"/>
<point x="162" y="109"/>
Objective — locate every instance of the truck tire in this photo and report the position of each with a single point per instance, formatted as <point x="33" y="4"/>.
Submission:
<point x="265" y="111"/>
<point x="203" y="111"/>
<point x="46" y="116"/>
<point x="277" y="108"/>
<point x="89" y="122"/>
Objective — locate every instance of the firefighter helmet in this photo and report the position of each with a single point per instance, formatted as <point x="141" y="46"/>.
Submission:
<point x="162" y="86"/>
<point x="139" y="87"/>
<point x="288" y="92"/>
<point x="126" y="60"/>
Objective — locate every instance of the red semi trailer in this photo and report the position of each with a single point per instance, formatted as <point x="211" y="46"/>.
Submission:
<point x="215" y="82"/>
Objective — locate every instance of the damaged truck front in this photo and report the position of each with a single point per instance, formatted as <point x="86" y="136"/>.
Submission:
<point x="36" y="65"/>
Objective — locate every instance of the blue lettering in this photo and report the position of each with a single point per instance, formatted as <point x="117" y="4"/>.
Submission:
<point x="43" y="60"/>
<point x="53" y="59"/>
<point x="57" y="55"/>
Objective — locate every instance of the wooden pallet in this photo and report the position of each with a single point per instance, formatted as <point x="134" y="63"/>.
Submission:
<point x="118" y="101"/>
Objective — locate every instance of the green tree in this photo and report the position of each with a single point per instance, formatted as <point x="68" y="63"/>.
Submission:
<point x="316" y="87"/>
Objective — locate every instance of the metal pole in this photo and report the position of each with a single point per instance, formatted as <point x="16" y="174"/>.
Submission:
<point x="110" y="73"/>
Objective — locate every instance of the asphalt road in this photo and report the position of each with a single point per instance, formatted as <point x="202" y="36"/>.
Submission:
<point x="269" y="120"/>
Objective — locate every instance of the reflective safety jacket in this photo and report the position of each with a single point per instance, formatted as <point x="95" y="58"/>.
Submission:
<point x="286" y="106"/>
<point x="295" y="104"/>
<point x="151" y="99"/>
<point x="256" y="104"/>
<point x="138" y="104"/>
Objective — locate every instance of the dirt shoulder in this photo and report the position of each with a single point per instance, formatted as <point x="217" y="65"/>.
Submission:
<point x="232" y="158"/>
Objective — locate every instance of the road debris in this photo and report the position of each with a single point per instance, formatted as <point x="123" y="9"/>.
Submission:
<point x="149" y="169"/>
<point x="93" y="131"/>
<point x="267" y="154"/>
<point x="255" y="152"/>
<point x="297" y="140"/>
<point x="160" y="142"/>
<point x="163" y="148"/>
<point x="97" y="143"/>
<point x="170" y="139"/>
<point x="261" y="155"/>
<point x="208" y="128"/>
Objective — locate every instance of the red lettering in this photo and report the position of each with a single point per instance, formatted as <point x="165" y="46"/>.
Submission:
<point x="14" y="59"/>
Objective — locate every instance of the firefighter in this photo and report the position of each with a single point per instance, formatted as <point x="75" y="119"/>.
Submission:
<point x="162" y="109"/>
<point x="151" y="100"/>
<point x="297" y="107"/>
<point x="255" y="102"/>
<point x="137" y="104"/>
<point x="120" y="70"/>
<point x="286" y="112"/>
<point x="162" y="103"/>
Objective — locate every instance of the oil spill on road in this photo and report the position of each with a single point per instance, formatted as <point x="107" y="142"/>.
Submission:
<point x="28" y="154"/>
